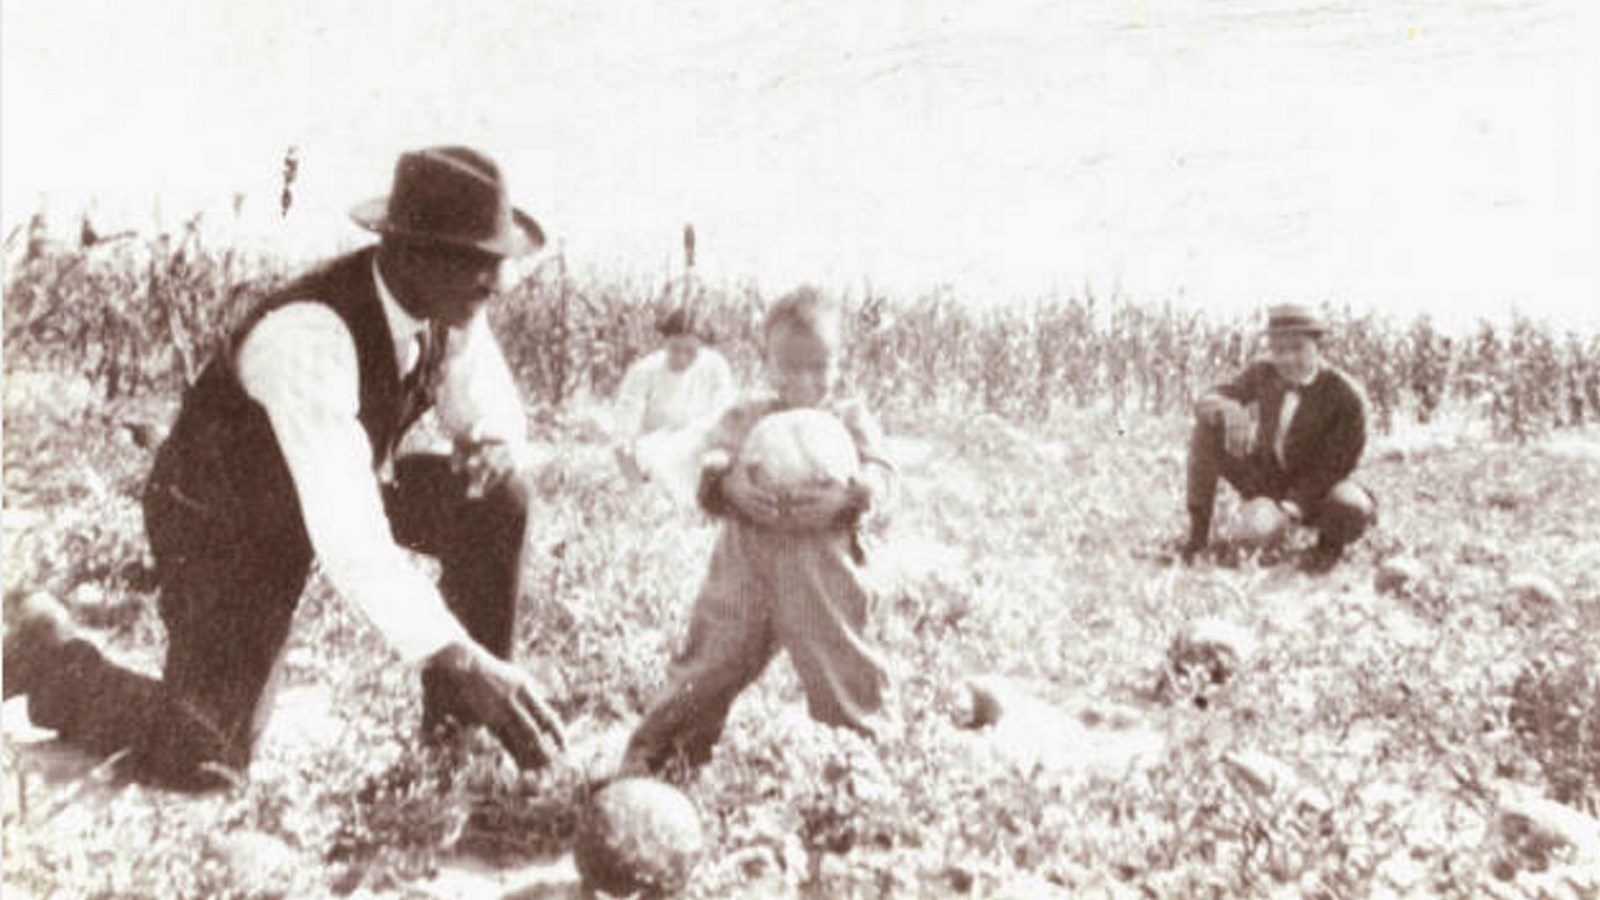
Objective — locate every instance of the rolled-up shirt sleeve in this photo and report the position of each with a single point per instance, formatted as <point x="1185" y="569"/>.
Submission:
<point x="478" y="398"/>
<point x="300" y="364"/>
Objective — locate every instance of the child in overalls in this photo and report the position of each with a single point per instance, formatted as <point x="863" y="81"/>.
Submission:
<point x="790" y="580"/>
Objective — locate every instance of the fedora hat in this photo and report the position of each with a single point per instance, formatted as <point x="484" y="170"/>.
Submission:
<point x="453" y="196"/>
<point x="1294" y="318"/>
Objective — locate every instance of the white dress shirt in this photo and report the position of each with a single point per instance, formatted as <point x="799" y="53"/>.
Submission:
<point x="1291" y="404"/>
<point x="655" y="398"/>
<point x="299" y="362"/>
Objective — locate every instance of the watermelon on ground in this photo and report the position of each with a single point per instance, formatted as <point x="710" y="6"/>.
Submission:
<point x="639" y="835"/>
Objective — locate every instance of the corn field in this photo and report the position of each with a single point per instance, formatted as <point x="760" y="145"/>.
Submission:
<point x="139" y="317"/>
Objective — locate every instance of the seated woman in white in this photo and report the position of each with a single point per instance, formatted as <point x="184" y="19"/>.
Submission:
<point x="667" y="401"/>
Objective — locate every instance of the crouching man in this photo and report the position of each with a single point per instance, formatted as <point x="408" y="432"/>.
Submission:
<point x="284" y="451"/>
<point x="1294" y="457"/>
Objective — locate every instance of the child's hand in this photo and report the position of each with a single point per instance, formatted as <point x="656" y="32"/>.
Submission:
<point x="759" y="504"/>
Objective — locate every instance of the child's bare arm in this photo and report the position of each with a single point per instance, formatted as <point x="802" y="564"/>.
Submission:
<point x="873" y="488"/>
<point x="721" y="446"/>
<point x="720" y="494"/>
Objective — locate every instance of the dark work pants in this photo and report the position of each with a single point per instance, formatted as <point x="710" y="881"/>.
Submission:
<point x="1341" y="516"/>
<point x="227" y="603"/>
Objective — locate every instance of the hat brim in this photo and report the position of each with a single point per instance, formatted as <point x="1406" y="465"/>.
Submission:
<point x="1312" y="330"/>
<point x="524" y="237"/>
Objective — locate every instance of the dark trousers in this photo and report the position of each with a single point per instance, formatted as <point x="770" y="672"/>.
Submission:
<point x="227" y="603"/>
<point x="1341" y="516"/>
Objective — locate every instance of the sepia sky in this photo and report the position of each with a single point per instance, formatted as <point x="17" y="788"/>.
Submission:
<point x="1435" y="156"/>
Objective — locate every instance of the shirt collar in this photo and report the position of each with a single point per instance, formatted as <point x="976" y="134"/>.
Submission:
<point x="403" y="327"/>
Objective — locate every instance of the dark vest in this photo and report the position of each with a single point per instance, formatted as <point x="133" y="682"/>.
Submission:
<point x="220" y="469"/>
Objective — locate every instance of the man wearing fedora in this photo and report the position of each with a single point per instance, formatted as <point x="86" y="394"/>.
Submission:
<point x="1297" y="455"/>
<point x="284" y="451"/>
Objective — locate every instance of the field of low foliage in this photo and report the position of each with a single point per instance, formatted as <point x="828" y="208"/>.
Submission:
<point x="1440" y="736"/>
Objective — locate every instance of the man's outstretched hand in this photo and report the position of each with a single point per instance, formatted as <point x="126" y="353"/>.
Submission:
<point x="487" y="464"/>
<point x="501" y="697"/>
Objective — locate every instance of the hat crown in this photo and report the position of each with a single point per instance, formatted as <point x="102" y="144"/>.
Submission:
<point x="455" y="196"/>
<point x="452" y="191"/>
<point x="1293" y="317"/>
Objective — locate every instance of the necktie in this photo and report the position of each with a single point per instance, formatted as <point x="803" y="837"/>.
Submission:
<point x="418" y="383"/>
<point x="426" y="347"/>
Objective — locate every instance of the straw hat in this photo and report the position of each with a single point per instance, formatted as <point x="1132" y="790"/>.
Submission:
<point x="1294" y="318"/>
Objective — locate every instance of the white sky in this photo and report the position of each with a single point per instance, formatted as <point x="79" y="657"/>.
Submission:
<point x="1433" y="155"/>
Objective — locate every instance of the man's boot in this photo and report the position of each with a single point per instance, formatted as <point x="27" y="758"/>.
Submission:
<point x="1322" y="557"/>
<point x="1199" y="534"/>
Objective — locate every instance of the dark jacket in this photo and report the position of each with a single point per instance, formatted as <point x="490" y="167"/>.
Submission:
<point x="220" y="469"/>
<point x="1326" y="438"/>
